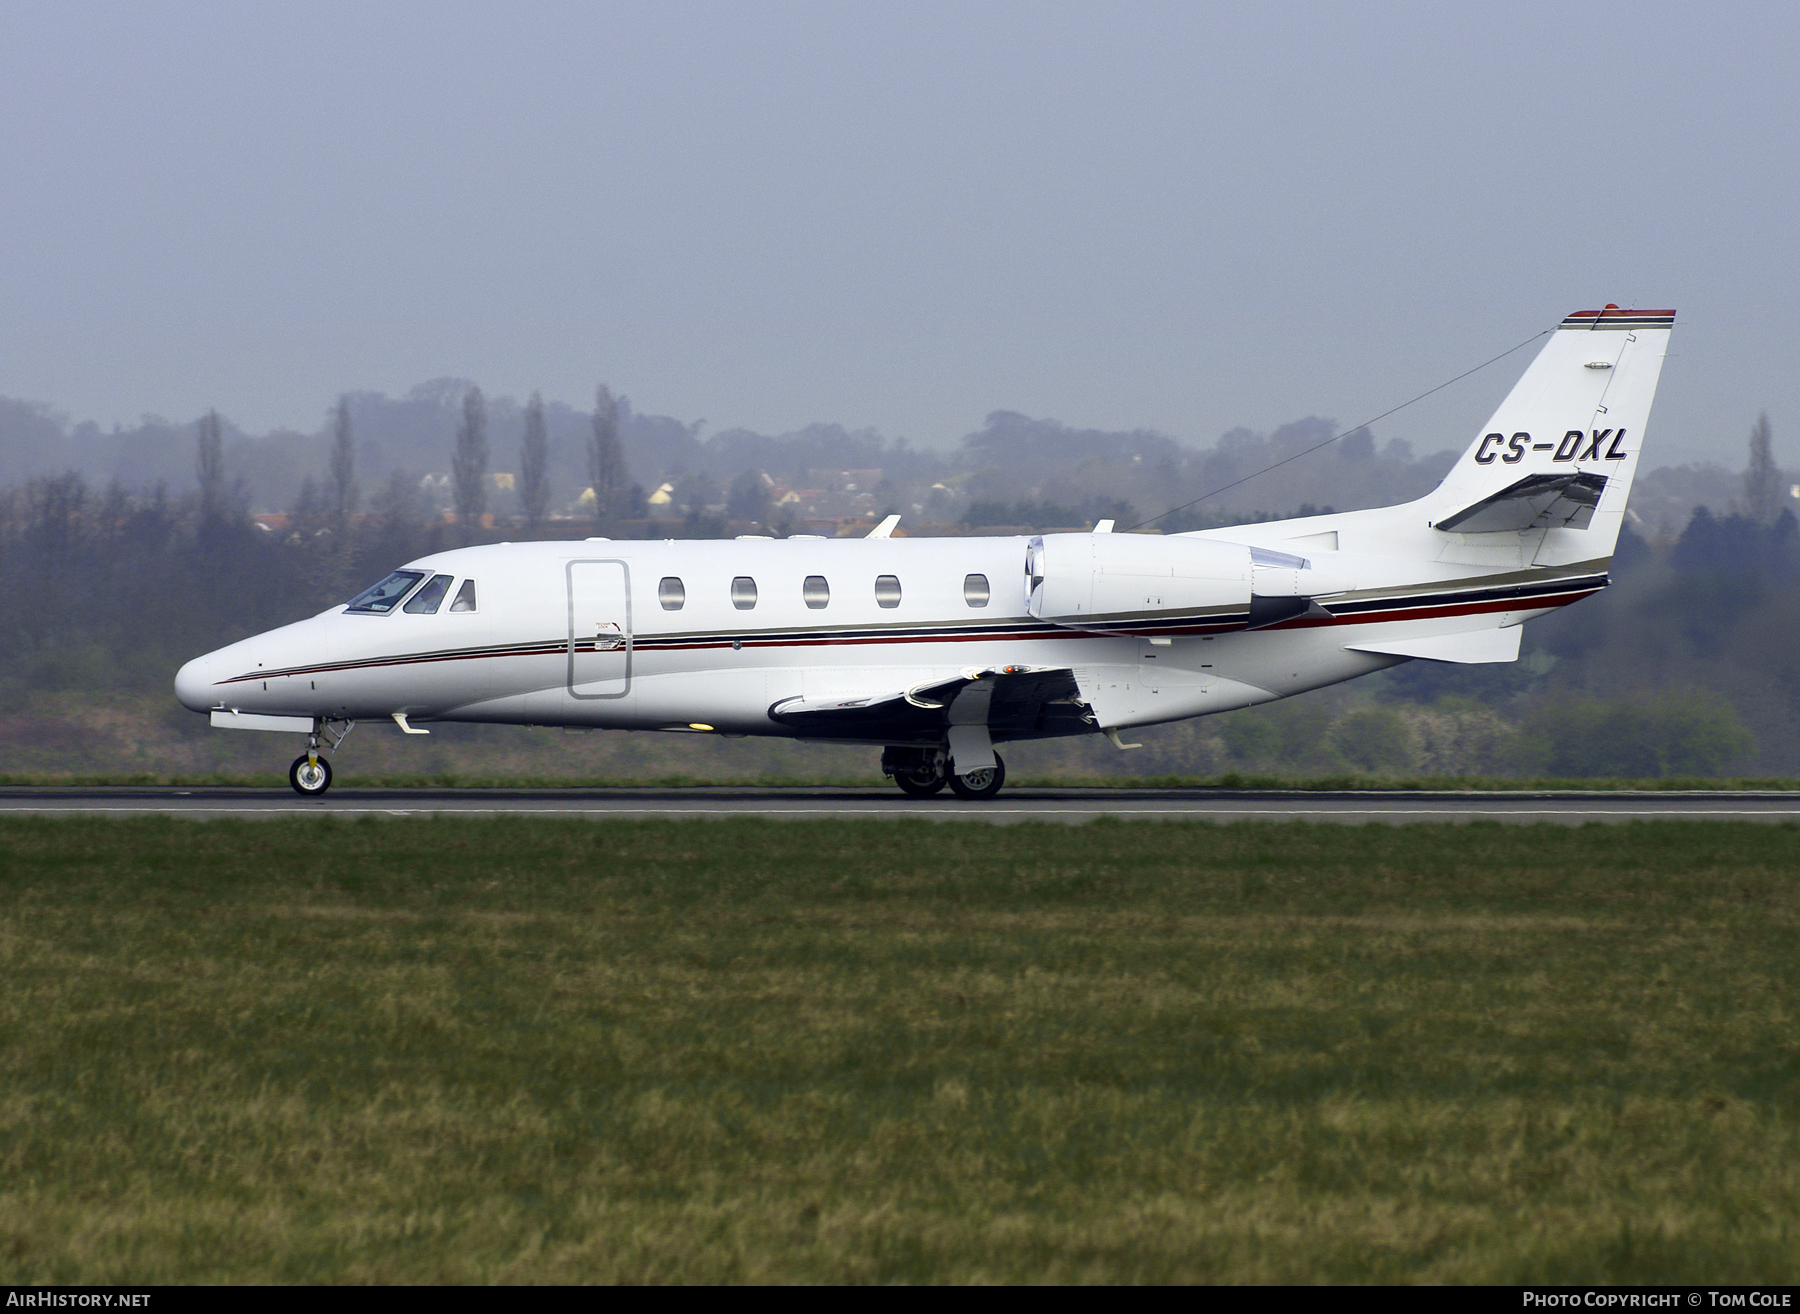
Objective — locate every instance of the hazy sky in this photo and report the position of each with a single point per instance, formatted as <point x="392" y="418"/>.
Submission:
<point x="1187" y="217"/>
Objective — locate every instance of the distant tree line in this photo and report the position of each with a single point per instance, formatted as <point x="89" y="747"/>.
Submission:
<point x="1689" y="665"/>
<point x="603" y="464"/>
<point x="471" y="454"/>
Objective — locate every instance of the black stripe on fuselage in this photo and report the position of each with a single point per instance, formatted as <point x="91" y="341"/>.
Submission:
<point x="1464" y="597"/>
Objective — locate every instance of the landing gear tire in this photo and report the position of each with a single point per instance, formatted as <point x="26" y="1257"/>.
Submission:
<point x="920" y="786"/>
<point x="309" y="779"/>
<point x="981" y="784"/>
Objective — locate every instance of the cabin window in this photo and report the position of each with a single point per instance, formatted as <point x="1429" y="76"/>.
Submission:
<point x="672" y="593"/>
<point x="465" y="597"/>
<point x="887" y="590"/>
<point x="743" y="593"/>
<point x="975" y="590"/>
<point x="816" y="591"/>
<point x="428" y="599"/>
<point x="379" y="599"/>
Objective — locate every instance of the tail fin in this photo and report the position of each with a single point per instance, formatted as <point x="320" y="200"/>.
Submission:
<point x="1561" y="451"/>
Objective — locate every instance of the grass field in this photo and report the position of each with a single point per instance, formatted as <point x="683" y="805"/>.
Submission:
<point x="533" y="1050"/>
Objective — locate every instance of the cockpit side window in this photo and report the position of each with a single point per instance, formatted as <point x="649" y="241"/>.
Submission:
<point x="380" y="599"/>
<point x="427" y="600"/>
<point x="465" y="597"/>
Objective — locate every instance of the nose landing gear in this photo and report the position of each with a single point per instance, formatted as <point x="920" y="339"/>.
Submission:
<point x="310" y="775"/>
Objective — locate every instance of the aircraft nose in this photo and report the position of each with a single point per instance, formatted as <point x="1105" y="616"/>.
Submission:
<point x="194" y="684"/>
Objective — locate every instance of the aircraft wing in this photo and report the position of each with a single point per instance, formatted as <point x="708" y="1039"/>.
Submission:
<point x="1013" y="702"/>
<point x="1535" y="502"/>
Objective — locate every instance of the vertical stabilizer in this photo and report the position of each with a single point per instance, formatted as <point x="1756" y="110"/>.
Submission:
<point x="1560" y="453"/>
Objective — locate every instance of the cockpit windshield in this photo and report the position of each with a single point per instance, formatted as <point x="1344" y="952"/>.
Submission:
<point x="383" y="597"/>
<point x="425" y="601"/>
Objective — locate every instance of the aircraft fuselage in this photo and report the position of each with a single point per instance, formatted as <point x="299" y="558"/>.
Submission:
<point x="594" y="633"/>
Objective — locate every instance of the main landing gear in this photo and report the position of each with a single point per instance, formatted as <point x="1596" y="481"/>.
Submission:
<point x="982" y="783"/>
<point x="920" y="784"/>
<point x="922" y="772"/>
<point x="311" y="774"/>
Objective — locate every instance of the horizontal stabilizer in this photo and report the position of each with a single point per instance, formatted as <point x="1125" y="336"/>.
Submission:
<point x="1539" y="501"/>
<point x="225" y="719"/>
<point x="1470" y="647"/>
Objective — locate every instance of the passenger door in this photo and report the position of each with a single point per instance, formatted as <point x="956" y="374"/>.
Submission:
<point x="599" y="629"/>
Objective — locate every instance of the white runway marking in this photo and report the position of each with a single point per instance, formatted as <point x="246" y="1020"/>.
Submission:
<point x="89" y="809"/>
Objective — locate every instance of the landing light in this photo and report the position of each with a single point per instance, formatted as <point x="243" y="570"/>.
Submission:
<point x="698" y="725"/>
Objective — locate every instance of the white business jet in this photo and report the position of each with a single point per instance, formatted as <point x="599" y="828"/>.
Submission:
<point x="938" y="649"/>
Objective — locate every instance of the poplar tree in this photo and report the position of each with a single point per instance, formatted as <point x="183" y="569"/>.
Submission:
<point x="1762" y="480"/>
<point x="534" y="483"/>
<point x="469" y="469"/>
<point x="606" y="459"/>
<point x="209" y="467"/>
<point x="342" y="490"/>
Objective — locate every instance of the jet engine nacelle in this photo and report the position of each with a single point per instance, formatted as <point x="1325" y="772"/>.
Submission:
<point x="1099" y="581"/>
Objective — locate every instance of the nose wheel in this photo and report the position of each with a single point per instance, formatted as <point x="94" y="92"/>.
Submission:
<point x="310" y="775"/>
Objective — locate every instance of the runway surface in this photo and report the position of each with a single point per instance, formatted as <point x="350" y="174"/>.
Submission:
<point x="1015" y="805"/>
